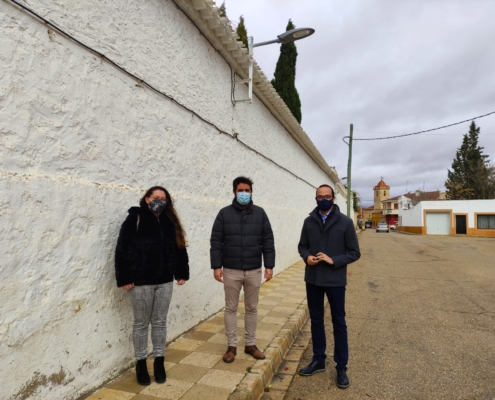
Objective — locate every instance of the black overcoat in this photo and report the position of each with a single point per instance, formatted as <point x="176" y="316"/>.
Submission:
<point x="337" y="239"/>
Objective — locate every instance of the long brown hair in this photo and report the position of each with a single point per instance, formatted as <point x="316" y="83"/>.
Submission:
<point x="180" y="234"/>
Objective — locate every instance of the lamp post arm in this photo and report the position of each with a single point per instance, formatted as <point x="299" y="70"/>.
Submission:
<point x="265" y="43"/>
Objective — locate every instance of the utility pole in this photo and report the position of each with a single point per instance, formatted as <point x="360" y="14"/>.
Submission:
<point x="349" y="163"/>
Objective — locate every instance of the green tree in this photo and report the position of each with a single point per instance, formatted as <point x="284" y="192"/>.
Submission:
<point x="285" y="77"/>
<point x="222" y="10"/>
<point x="471" y="176"/>
<point x="355" y="201"/>
<point x="242" y="31"/>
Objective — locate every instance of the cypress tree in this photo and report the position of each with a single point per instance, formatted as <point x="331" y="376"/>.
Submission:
<point x="222" y="10"/>
<point x="285" y="77"/>
<point x="471" y="176"/>
<point x="242" y="32"/>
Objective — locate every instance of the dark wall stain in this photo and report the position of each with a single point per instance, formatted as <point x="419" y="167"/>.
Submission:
<point x="39" y="381"/>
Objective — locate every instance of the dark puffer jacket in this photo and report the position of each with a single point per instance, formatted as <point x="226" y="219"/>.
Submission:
<point x="147" y="253"/>
<point x="337" y="239"/>
<point x="240" y="237"/>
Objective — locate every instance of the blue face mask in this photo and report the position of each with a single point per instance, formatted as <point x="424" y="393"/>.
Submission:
<point x="324" y="205"/>
<point x="243" y="198"/>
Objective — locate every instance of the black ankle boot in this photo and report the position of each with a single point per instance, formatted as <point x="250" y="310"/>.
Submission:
<point x="159" y="367"/>
<point x="143" y="377"/>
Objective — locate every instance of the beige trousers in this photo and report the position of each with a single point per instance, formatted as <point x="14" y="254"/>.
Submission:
<point x="233" y="281"/>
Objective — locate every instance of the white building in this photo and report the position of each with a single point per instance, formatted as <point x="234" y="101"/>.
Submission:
<point x="448" y="217"/>
<point x="85" y="129"/>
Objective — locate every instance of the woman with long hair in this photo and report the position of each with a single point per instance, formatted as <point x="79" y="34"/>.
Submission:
<point x="151" y="253"/>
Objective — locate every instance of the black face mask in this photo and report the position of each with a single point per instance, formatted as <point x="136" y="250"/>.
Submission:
<point x="157" y="206"/>
<point x="324" y="205"/>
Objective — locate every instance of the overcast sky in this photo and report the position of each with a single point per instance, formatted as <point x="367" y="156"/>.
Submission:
<point x="386" y="66"/>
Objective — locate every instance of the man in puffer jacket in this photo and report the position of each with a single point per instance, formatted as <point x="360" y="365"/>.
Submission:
<point x="241" y="237"/>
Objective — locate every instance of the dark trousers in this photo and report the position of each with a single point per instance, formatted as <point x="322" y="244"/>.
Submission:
<point x="336" y="299"/>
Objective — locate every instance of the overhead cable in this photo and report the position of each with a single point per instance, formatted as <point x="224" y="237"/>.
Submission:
<point x="428" y="130"/>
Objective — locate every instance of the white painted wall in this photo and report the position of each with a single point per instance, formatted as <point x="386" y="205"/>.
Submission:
<point x="80" y="142"/>
<point x="411" y="217"/>
<point x="414" y="216"/>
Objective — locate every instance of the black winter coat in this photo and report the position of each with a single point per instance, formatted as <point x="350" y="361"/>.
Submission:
<point x="337" y="239"/>
<point x="147" y="253"/>
<point x="240" y="237"/>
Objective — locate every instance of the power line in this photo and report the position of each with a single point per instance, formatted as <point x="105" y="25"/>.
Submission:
<point x="428" y="130"/>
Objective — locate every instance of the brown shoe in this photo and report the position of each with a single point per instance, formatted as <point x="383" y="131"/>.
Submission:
<point x="254" y="352"/>
<point x="230" y="354"/>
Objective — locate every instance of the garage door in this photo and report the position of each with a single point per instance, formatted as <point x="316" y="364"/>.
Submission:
<point x="438" y="223"/>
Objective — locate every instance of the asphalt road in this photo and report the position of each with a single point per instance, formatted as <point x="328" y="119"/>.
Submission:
<point x="421" y="322"/>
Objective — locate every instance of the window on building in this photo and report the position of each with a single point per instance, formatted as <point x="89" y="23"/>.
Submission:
<point x="377" y="193"/>
<point x="486" y="221"/>
<point x="384" y="193"/>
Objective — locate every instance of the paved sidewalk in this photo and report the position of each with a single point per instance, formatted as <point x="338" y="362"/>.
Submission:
<point x="194" y="365"/>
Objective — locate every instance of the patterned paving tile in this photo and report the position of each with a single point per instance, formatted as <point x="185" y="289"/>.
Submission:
<point x="209" y="327"/>
<point x="212" y="348"/>
<point x="285" y="309"/>
<point x="238" y="365"/>
<point x="269" y="327"/>
<point x="220" y="338"/>
<point x="198" y="335"/>
<point x="262" y="311"/>
<point x="265" y="335"/>
<point x="188" y="373"/>
<point x="185" y="344"/>
<point x="174" y="355"/>
<point x="110" y="394"/>
<point x="280" y="314"/>
<point x="201" y="359"/>
<point x="222" y="379"/>
<point x="126" y="383"/>
<point x="205" y="392"/>
<point x="172" y="389"/>
<point x="275" y="294"/>
<point x="269" y="302"/>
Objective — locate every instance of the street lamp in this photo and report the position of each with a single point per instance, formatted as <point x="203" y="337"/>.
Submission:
<point x="289" y="36"/>
<point x="284" y="38"/>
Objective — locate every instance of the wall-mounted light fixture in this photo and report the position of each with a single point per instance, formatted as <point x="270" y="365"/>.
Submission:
<point x="284" y="38"/>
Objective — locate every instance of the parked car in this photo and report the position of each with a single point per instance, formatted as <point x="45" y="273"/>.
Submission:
<point x="368" y="224"/>
<point x="382" y="227"/>
<point x="393" y="227"/>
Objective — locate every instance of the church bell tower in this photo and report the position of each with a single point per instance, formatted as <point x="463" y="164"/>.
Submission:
<point x="380" y="192"/>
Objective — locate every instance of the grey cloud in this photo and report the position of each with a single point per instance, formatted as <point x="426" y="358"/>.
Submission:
<point x="387" y="66"/>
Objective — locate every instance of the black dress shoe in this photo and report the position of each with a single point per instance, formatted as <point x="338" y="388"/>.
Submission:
<point x="312" y="368"/>
<point x="142" y="375"/>
<point x="342" y="379"/>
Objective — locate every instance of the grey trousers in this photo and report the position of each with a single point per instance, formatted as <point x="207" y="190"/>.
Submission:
<point x="233" y="281"/>
<point x="150" y="304"/>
